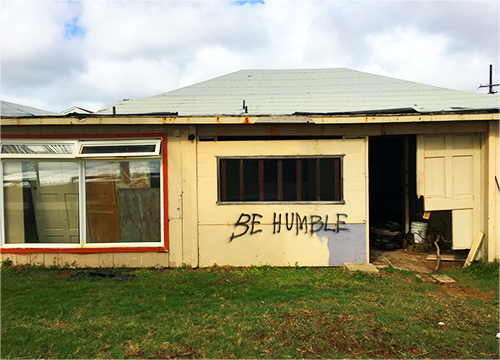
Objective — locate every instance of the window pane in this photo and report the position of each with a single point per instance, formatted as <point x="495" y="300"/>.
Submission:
<point x="270" y="180"/>
<point x="251" y="180"/>
<point x="38" y="149"/>
<point x="308" y="179"/>
<point x="290" y="180"/>
<point x="41" y="202"/>
<point x="123" y="201"/>
<point x="232" y="180"/>
<point x="280" y="179"/>
<point x="117" y="149"/>
<point x="327" y="171"/>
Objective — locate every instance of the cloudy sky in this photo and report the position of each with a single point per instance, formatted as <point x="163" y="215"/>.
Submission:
<point x="58" y="54"/>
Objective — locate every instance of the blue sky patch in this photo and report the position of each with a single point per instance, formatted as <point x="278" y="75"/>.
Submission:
<point x="72" y="30"/>
<point x="243" y="2"/>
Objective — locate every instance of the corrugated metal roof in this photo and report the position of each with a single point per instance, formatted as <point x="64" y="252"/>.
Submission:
<point x="319" y="91"/>
<point x="15" y="110"/>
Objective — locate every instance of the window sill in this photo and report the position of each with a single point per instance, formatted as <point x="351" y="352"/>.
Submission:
<point x="17" y="249"/>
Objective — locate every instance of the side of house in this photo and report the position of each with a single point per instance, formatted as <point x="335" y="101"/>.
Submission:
<point x="278" y="167"/>
<point x="147" y="194"/>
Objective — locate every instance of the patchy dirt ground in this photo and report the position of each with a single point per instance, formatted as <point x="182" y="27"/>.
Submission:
<point x="457" y="290"/>
<point x="409" y="260"/>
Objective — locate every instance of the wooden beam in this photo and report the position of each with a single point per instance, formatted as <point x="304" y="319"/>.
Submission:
<point x="446" y="257"/>
<point x="474" y="248"/>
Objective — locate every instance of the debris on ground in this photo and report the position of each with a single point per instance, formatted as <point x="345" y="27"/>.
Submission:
<point x="387" y="235"/>
<point x="426" y="278"/>
<point x="443" y="279"/>
<point x="100" y="273"/>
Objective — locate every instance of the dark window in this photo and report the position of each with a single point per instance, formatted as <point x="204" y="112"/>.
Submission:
<point x="304" y="179"/>
<point x="111" y="149"/>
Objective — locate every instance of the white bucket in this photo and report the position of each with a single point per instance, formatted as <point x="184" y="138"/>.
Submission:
<point x="419" y="231"/>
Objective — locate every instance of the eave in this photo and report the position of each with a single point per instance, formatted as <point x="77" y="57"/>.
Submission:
<point x="156" y="119"/>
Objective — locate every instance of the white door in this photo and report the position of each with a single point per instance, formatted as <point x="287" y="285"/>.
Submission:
<point x="449" y="178"/>
<point x="55" y="199"/>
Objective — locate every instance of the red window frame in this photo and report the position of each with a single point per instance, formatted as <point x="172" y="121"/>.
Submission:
<point x="162" y="248"/>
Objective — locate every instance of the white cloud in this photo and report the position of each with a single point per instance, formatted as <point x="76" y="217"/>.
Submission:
<point x="56" y="54"/>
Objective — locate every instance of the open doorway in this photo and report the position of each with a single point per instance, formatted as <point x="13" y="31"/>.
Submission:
<point x="387" y="178"/>
<point x="392" y="174"/>
<point x="393" y="201"/>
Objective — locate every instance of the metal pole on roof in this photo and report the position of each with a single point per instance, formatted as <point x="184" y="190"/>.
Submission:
<point x="491" y="79"/>
<point x="490" y="86"/>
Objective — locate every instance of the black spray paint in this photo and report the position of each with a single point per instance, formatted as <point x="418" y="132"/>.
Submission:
<point x="315" y="223"/>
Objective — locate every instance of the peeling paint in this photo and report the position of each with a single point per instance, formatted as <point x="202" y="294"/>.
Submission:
<point x="347" y="246"/>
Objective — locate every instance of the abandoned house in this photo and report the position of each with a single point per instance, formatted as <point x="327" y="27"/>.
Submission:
<point x="278" y="167"/>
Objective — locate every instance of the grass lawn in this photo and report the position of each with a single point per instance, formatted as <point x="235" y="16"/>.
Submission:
<point x="256" y="312"/>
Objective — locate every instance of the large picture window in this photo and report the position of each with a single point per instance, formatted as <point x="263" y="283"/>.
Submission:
<point x="280" y="179"/>
<point x="54" y="194"/>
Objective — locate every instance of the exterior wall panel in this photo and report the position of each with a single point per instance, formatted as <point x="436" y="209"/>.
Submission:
<point x="493" y="192"/>
<point x="259" y="233"/>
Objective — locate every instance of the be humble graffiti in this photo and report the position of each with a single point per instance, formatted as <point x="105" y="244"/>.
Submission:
<point x="250" y="222"/>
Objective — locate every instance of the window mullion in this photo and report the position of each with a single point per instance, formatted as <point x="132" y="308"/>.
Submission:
<point x="82" y="201"/>
<point x="261" y="180"/>
<point x="318" y="183"/>
<point x="242" y="183"/>
<point x="2" y="228"/>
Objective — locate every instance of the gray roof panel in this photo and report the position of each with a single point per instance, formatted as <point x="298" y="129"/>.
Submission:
<point x="319" y="91"/>
<point x="8" y="109"/>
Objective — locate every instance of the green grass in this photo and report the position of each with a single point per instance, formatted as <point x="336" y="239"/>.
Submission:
<point x="256" y="312"/>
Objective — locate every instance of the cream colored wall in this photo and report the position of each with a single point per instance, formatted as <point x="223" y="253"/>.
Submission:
<point x="217" y="223"/>
<point x="182" y="197"/>
<point x="493" y="192"/>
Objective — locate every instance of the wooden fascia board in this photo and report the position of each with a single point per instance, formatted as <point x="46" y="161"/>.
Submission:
<point x="202" y="120"/>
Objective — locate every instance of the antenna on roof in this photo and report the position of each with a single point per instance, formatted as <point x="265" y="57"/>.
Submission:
<point x="491" y="82"/>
